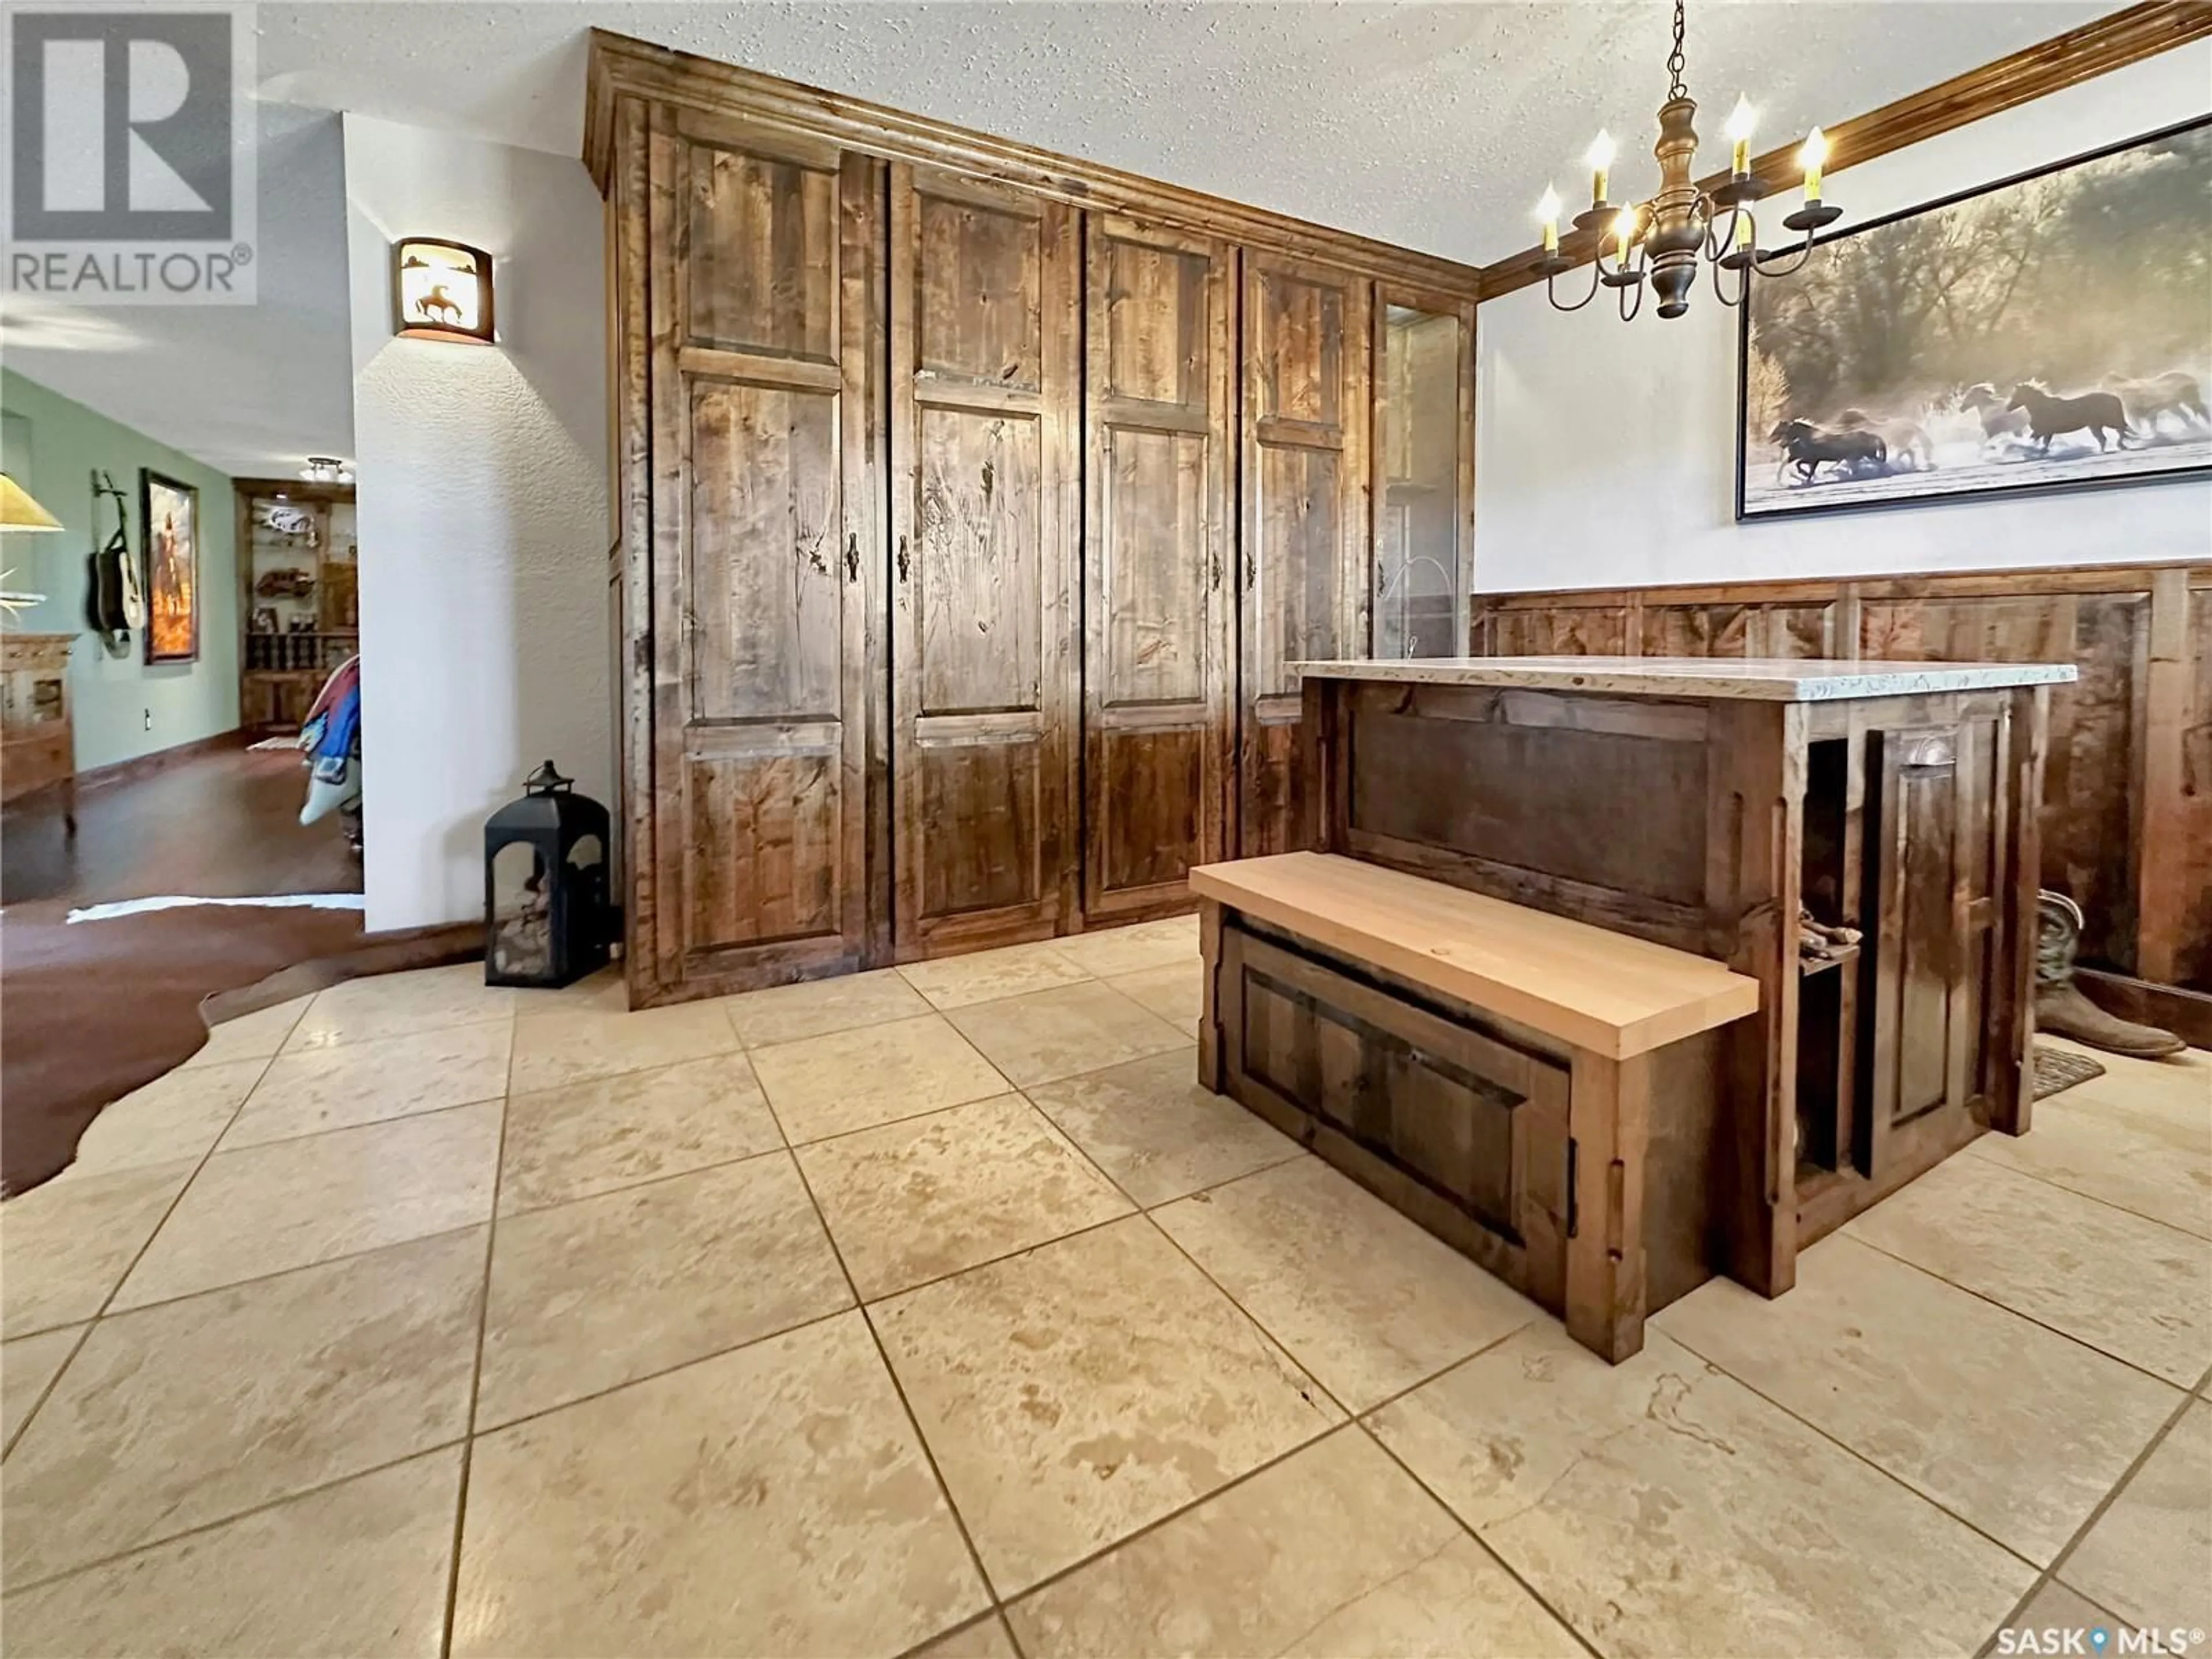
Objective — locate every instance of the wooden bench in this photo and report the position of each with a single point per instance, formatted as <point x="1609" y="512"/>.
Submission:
<point x="1544" y="1096"/>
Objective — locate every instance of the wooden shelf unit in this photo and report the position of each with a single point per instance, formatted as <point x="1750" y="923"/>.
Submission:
<point x="281" y="671"/>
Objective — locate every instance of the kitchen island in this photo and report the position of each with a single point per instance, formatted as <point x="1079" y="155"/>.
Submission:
<point x="1859" y="838"/>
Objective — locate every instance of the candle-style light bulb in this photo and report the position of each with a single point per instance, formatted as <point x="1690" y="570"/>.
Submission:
<point x="1741" y="122"/>
<point x="1600" y="157"/>
<point x="1743" y="231"/>
<point x="1624" y="227"/>
<point x="1548" y="211"/>
<point x="1815" y="151"/>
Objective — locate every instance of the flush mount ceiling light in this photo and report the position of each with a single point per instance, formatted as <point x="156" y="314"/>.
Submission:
<point x="441" y="290"/>
<point x="326" y="470"/>
<point x="1668" y="237"/>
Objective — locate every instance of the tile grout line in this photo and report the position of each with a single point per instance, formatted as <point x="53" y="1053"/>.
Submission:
<point x="1973" y="1147"/>
<point x="1835" y="1440"/>
<point x="1359" y="1420"/>
<point x="906" y="1406"/>
<point x="787" y="1149"/>
<point x="262" y="1508"/>
<point x="538" y="1414"/>
<point x="68" y="1359"/>
<point x="476" y="1371"/>
<point x="1467" y="1527"/>
<point x="339" y="1044"/>
<point x="138" y="1255"/>
<point x="2050" y="1574"/>
<point x="661" y="1179"/>
<point x="277" y="1273"/>
<point x="1351" y="1418"/>
<point x="1982" y="1296"/>
<point x="365" y="1123"/>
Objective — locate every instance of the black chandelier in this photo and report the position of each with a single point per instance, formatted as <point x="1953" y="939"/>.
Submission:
<point x="1668" y="236"/>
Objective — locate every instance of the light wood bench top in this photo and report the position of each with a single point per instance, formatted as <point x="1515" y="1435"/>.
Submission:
<point x="1588" y="987"/>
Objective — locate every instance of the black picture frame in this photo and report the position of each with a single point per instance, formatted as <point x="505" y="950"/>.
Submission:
<point x="2024" y="487"/>
<point x="171" y="570"/>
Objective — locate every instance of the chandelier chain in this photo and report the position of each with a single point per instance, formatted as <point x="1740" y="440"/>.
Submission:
<point x="1675" y="63"/>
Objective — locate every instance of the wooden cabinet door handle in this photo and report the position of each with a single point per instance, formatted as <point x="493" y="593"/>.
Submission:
<point x="852" y="557"/>
<point x="901" y="561"/>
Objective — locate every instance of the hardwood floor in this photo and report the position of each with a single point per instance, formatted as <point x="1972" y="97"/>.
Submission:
<point x="90" y="1011"/>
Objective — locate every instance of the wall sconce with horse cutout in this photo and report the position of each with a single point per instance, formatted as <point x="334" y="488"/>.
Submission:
<point x="441" y="291"/>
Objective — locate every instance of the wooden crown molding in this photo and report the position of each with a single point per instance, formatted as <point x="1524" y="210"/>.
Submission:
<point x="2124" y="37"/>
<point x="621" y="67"/>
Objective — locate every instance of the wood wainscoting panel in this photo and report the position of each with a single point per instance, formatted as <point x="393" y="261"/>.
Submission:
<point x="1579" y="758"/>
<point x="1157" y="717"/>
<point x="2088" y="782"/>
<point x="2126" y="823"/>
<point x="2180" y="730"/>
<point x="985" y="379"/>
<point x="760" y="668"/>
<point x="1305" y="524"/>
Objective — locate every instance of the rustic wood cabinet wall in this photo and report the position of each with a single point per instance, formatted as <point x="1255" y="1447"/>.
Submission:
<point x="1158" y="579"/>
<point x="1305" y="530"/>
<point x="972" y="504"/>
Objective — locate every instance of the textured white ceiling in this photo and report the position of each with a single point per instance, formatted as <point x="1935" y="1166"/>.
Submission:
<point x="1431" y="125"/>
<point x="1435" y="126"/>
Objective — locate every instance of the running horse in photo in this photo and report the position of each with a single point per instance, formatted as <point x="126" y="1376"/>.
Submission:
<point x="2175" y="392"/>
<point x="1808" y="449"/>
<point x="2050" y="416"/>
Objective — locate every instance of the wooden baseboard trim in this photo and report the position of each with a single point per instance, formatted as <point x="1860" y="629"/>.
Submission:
<point x="160" y="760"/>
<point x="2186" y="1014"/>
<point x="395" y="952"/>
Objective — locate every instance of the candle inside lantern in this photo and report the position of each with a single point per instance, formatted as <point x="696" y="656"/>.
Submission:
<point x="1601" y="160"/>
<point x="1810" y="158"/>
<point x="1741" y="122"/>
<point x="1548" y="211"/>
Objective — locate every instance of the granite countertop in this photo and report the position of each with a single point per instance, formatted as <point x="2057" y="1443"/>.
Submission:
<point x="1766" y="679"/>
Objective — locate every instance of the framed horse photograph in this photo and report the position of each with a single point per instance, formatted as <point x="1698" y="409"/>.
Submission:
<point x="170" y="513"/>
<point x="2048" y="332"/>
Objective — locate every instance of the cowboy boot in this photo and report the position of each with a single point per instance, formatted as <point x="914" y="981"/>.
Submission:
<point x="2060" y="1007"/>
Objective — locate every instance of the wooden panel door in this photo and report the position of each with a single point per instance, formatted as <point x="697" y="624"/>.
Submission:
<point x="985" y="399"/>
<point x="1157" y="605"/>
<point x="1305" y="522"/>
<point x="1935" y="867"/>
<point x="762" y="313"/>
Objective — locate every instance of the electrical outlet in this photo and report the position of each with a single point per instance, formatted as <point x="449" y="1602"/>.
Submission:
<point x="149" y="720"/>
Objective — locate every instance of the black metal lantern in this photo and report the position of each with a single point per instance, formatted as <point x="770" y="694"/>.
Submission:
<point x="546" y="921"/>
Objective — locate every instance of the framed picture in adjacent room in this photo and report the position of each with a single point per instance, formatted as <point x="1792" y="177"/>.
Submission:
<point x="171" y="514"/>
<point x="2048" y="331"/>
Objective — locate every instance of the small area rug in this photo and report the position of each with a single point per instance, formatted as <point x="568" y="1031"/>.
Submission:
<point x="2056" y="1070"/>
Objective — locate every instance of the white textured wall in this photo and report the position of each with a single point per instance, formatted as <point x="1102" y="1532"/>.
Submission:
<point x="1606" y="451"/>
<point x="482" y="510"/>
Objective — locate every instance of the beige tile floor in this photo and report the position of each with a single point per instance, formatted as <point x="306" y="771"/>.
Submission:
<point x="934" y="1311"/>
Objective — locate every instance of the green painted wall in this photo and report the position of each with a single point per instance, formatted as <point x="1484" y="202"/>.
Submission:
<point x="52" y="446"/>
